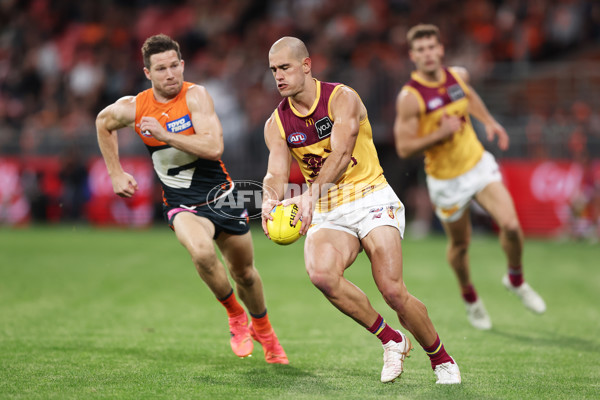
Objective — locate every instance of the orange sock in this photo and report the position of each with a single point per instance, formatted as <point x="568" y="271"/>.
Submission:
<point x="231" y="305"/>
<point x="261" y="323"/>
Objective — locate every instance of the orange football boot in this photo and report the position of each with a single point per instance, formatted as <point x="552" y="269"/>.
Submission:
<point x="274" y="353"/>
<point x="241" y="341"/>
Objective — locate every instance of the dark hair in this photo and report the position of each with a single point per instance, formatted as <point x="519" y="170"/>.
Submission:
<point x="158" y="44"/>
<point x="422" y="31"/>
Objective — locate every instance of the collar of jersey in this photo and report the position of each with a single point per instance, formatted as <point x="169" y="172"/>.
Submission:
<point x="314" y="106"/>
<point x="414" y="75"/>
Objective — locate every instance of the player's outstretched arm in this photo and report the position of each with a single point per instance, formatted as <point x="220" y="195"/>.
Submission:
<point x="207" y="142"/>
<point x="406" y="126"/>
<point x="116" y="116"/>
<point x="478" y="109"/>
<point x="278" y="170"/>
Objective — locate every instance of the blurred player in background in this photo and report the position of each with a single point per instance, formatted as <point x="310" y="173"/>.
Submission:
<point x="432" y="116"/>
<point x="349" y="205"/>
<point x="179" y="126"/>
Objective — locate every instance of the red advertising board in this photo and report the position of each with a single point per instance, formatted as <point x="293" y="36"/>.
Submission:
<point x="14" y="207"/>
<point x="543" y="192"/>
<point x="33" y="186"/>
<point x="104" y="207"/>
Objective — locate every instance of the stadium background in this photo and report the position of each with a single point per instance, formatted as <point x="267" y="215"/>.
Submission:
<point x="536" y="64"/>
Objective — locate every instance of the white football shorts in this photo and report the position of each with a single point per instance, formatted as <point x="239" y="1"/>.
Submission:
<point x="361" y="216"/>
<point x="452" y="197"/>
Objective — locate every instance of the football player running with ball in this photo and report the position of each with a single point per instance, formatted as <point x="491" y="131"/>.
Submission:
<point x="349" y="205"/>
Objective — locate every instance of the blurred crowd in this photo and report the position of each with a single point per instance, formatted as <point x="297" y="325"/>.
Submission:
<point x="62" y="61"/>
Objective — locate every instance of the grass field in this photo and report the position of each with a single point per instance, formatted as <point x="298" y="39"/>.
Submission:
<point x="121" y="314"/>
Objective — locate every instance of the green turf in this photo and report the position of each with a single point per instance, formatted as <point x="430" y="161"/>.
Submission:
<point x="121" y="314"/>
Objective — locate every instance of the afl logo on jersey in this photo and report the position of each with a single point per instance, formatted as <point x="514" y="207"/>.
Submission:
<point x="435" y="103"/>
<point x="297" y="138"/>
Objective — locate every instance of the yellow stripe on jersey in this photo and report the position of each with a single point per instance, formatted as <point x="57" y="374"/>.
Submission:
<point x="427" y="83"/>
<point x="279" y="124"/>
<point x="460" y="81"/>
<point x="333" y="94"/>
<point x="414" y="91"/>
<point x="312" y="108"/>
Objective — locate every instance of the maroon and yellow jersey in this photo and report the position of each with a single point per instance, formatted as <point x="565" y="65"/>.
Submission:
<point x="308" y="138"/>
<point x="185" y="178"/>
<point x="460" y="152"/>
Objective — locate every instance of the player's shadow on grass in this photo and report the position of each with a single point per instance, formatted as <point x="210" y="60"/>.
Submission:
<point x="258" y="375"/>
<point x="264" y="378"/>
<point x="224" y="368"/>
<point x="549" y="339"/>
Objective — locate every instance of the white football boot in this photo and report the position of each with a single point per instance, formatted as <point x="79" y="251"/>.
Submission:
<point x="393" y="358"/>
<point x="529" y="297"/>
<point x="478" y="316"/>
<point x="447" y="373"/>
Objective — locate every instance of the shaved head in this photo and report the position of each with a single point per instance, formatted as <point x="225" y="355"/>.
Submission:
<point x="290" y="64"/>
<point x="296" y="46"/>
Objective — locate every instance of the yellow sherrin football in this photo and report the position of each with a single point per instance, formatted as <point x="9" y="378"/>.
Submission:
<point x="280" y="227"/>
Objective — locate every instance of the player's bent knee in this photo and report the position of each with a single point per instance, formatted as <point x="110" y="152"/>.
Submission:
<point x="511" y="227"/>
<point x="325" y="281"/>
<point x="396" y="296"/>
<point x="203" y="257"/>
<point x="459" y="246"/>
<point x="457" y="249"/>
<point x="244" y="275"/>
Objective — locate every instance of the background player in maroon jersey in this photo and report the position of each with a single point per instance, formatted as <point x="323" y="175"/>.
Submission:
<point x="329" y="123"/>
<point x="179" y="126"/>
<point x="433" y="117"/>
